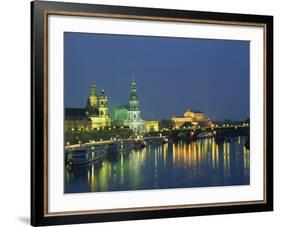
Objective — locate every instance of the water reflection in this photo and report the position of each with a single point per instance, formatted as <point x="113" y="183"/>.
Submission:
<point x="173" y="165"/>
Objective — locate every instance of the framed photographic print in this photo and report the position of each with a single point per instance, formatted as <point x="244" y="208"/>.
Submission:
<point x="142" y="113"/>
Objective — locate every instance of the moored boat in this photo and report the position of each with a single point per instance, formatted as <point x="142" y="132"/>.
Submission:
<point x="204" y="135"/>
<point x="113" y="147"/>
<point x="139" y="144"/>
<point x="79" y="157"/>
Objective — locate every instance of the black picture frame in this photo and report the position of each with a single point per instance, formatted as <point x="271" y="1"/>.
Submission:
<point x="39" y="111"/>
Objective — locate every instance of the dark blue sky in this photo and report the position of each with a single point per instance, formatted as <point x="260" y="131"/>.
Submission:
<point x="172" y="74"/>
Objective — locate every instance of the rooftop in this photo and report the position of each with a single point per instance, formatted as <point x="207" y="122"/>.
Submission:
<point x="74" y="112"/>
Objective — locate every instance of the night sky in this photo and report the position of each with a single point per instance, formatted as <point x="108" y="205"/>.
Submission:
<point x="172" y="74"/>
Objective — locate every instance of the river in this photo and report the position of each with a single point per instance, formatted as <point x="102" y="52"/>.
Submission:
<point x="201" y="163"/>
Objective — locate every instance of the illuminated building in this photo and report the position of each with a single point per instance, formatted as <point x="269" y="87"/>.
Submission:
<point x="75" y="120"/>
<point x="134" y="121"/>
<point x="92" y="102"/>
<point x="97" y="109"/>
<point x="104" y="118"/>
<point x="120" y="115"/>
<point x="196" y="118"/>
<point x="152" y="126"/>
<point x="94" y="116"/>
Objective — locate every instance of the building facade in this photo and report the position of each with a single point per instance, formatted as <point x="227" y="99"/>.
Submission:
<point x="120" y="115"/>
<point x="191" y="118"/>
<point x="97" y="109"/>
<point x="94" y="116"/>
<point x="152" y="126"/>
<point x="75" y="120"/>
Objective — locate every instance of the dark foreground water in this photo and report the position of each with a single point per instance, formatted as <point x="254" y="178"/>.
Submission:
<point x="175" y="165"/>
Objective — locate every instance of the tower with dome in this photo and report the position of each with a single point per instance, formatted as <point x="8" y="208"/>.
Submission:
<point x="134" y="120"/>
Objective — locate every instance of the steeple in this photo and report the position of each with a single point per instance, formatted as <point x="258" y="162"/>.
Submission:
<point x="92" y="102"/>
<point x="133" y="102"/>
<point x="102" y="92"/>
<point x="93" y="90"/>
<point x="103" y="104"/>
<point x="133" y="90"/>
<point x="134" y="121"/>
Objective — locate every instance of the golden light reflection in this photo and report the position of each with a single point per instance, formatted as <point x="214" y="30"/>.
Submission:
<point x="104" y="175"/>
<point x="122" y="168"/>
<point x="195" y="158"/>
<point x="93" y="177"/>
<point x="213" y="155"/>
<point x="216" y="154"/>
<point x="165" y="149"/>
<point x="246" y="159"/>
<point x="226" y="160"/>
<point x="199" y="146"/>
<point x="67" y="176"/>
<point x="174" y="153"/>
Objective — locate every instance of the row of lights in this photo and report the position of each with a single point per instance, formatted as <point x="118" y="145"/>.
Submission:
<point x="164" y="129"/>
<point x="102" y="128"/>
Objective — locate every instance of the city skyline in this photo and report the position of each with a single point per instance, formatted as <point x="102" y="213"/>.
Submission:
<point x="209" y="92"/>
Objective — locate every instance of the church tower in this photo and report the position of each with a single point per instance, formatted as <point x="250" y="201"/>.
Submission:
<point x="93" y="97"/>
<point x="103" y="105"/>
<point x="97" y="109"/>
<point x="133" y="102"/>
<point x="103" y="110"/>
<point x="134" y="121"/>
<point x="92" y="102"/>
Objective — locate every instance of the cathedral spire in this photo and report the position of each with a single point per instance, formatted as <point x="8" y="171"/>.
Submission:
<point x="133" y="90"/>
<point x="134" y="121"/>
<point x="93" y="90"/>
<point x="92" y="101"/>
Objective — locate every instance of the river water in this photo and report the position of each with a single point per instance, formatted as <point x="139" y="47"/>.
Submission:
<point x="201" y="163"/>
